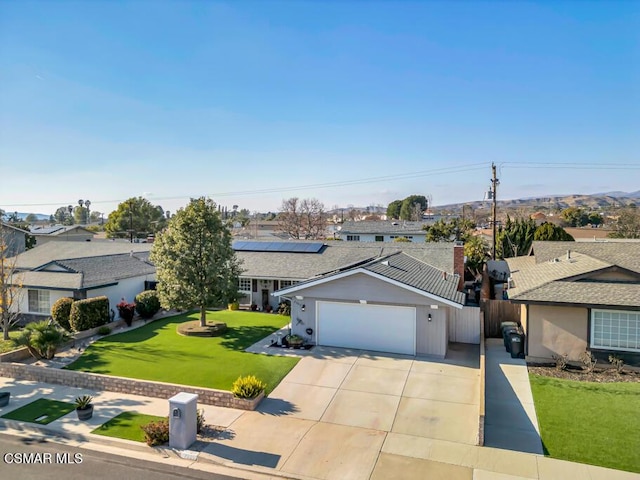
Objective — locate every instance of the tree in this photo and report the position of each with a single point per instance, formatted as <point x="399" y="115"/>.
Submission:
<point x="456" y="229"/>
<point x="137" y="214"/>
<point x="9" y="292"/>
<point x="477" y="251"/>
<point x="594" y="218"/>
<point x="552" y="233"/>
<point x="514" y="238"/>
<point x="80" y="215"/>
<point x="409" y="208"/>
<point x="302" y="219"/>
<point x="627" y="225"/>
<point x="393" y="209"/>
<point x="32" y="217"/>
<point x="575" y="216"/>
<point x="195" y="263"/>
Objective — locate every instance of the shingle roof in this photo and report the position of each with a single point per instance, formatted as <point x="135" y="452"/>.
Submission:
<point x="405" y="269"/>
<point x="338" y="255"/>
<point x="57" y="230"/>
<point x="623" y="254"/>
<point x="57" y="280"/>
<point x="585" y="293"/>
<point x="401" y="227"/>
<point x="107" y="269"/>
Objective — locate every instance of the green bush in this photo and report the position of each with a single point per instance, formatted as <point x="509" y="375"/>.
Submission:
<point x="42" y="339"/>
<point x="61" y="311"/>
<point x="147" y="303"/>
<point x="89" y="313"/>
<point x="248" y="387"/>
<point x="104" y="330"/>
<point x="284" y="308"/>
<point x="156" y="433"/>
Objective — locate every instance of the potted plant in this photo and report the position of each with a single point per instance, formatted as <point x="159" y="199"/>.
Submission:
<point x="295" y="341"/>
<point x="84" y="407"/>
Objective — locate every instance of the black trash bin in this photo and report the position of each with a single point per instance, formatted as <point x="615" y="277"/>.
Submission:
<point x="506" y="331"/>
<point x="517" y="345"/>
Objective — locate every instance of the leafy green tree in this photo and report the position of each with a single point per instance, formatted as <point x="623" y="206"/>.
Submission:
<point x="195" y="263"/>
<point x="627" y="225"/>
<point x="32" y="217"/>
<point x="552" y="233"/>
<point x="393" y="209"/>
<point x="514" y="238"/>
<point x="477" y="251"/>
<point x="575" y="216"/>
<point x="80" y="215"/>
<point x="411" y="205"/>
<point x="456" y="229"/>
<point x="42" y="339"/>
<point x="136" y="213"/>
<point x="594" y="218"/>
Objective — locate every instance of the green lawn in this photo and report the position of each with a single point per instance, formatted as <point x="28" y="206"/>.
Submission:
<point x="594" y="423"/>
<point x="157" y="352"/>
<point x="8" y="345"/>
<point x="42" y="411"/>
<point x="127" y="425"/>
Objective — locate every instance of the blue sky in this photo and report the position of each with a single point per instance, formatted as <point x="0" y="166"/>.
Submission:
<point x="247" y="101"/>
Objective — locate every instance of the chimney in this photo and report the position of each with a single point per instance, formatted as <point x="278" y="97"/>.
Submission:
<point x="458" y="263"/>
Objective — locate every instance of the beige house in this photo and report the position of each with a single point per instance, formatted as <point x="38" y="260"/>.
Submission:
<point x="578" y="296"/>
<point x="74" y="233"/>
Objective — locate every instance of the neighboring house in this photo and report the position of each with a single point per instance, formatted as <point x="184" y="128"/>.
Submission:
<point x="383" y="231"/>
<point x="81" y="270"/>
<point x="578" y="296"/>
<point x="14" y="238"/>
<point x="74" y="233"/>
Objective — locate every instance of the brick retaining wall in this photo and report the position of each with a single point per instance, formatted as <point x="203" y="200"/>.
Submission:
<point x="95" y="381"/>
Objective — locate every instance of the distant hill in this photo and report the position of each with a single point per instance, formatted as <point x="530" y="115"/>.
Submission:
<point x="39" y="216"/>
<point x="596" y="201"/>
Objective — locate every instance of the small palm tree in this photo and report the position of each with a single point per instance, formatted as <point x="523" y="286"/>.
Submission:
<point x="42" y="339"/>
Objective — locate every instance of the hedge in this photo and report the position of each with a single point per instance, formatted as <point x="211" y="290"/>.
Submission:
<point x="61" y="312"/>
<point x="89" y="313"/>
<point x="147" y="303"/>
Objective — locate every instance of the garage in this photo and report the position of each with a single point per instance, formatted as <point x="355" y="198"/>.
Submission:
<point x="380" y="328"/>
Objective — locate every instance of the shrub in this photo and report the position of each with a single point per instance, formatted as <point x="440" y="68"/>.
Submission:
<point x="284" y="308"/>
<point x="61" y="311"/>
<point x="156" y="433"/>
<point x="42" y="339"/>
<point x="147" y="303"/>
<point x="126" y="311"/>
<point x="89" y="313"/>
<point x="199" y="420"/>
<point x="248" y="387"/>
<point x="561" y="361"/>
<point x="588" y="361"/>
<point x="617" y="362"/>
<point x="83" y="402"/>
<point x="104" y="330"/>
<point x="234" y="306"/>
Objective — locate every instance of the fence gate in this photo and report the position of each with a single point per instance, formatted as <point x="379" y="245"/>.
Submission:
<point x="497" y="311"/>
<point x="464" y="326"/>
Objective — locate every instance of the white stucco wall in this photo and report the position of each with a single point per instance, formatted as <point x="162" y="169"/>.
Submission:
<point x="127" y="288"/>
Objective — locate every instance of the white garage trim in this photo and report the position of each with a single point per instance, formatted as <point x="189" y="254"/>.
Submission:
<point x="382" y="328"/>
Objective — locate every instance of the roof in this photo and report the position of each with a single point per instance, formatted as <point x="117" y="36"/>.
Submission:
<point x="379" y="226"/>
<point x="399" y="268"/>
<point x="338" y="255"/>
<point x="6" y="225"/>
<point x="53" y="251"/>
<point x="559" y="272"/>
<point x="57" y="230"/>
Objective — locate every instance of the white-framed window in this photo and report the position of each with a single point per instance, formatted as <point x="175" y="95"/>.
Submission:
<point x="615" y="330"/>
<point x="39" y="301"/>
<point x="244" y="284"/>
<point x="353" y="238"/>
<point x="287" y="283"/>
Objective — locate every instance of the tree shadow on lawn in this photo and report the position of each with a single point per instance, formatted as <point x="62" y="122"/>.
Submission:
<point x="240" y="338"/>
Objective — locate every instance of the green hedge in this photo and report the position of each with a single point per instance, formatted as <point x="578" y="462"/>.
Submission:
<point x="61" y="312"/>
<point x="89" y="313"/>
<point x="147" y="303"/>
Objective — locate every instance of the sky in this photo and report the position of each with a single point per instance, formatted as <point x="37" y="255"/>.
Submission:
<point x="351" y="102"/>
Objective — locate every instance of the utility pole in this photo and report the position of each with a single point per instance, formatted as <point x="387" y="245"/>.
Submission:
<point x="494" y="207"/>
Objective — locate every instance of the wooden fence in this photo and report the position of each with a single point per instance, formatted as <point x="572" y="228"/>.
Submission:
<point x="497" y="311"/>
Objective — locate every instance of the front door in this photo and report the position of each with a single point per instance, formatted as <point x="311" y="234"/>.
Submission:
<point x="265" y="297"/>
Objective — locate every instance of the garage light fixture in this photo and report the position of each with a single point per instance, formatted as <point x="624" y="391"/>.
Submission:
<point x="303" y="307"/>
<point x="429" y="317"/>
<point x="299" y="297"/>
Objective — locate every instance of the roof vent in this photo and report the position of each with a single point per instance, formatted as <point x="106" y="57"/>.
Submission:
<point x="568" y="254"/>
<point x="444" y="276"/>
<point x="385" y="263"/>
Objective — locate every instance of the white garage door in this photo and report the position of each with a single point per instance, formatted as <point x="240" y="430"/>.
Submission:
<point x="367" y="327"/>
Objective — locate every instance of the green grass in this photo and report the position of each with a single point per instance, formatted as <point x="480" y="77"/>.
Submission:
<point x="157" y="352"/>
<point x="53" y="410"/>
<point x="8" y="345"/>
<point x="594" y="423"/>
<point x="127" y="425"/>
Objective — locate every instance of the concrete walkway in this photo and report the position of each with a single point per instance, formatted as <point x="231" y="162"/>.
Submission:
<point x="510" y="420"/>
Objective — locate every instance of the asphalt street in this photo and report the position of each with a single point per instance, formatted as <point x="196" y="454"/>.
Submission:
<point x="25" y="458"/>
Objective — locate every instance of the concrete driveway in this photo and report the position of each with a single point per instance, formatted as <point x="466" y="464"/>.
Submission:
<point x="334" y="412"/>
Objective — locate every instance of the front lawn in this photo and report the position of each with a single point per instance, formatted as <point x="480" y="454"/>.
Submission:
<point x="157" y="352"/>
<point x="127" y="425"/>
<point x="9" y="345"/>
<point x="42" y="411"/>
<point x="594" y="423"/>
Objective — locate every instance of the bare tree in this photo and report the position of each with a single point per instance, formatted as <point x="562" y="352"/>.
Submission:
<point x="9" y="293"/>
<point x="416" y="212"/>
<point x="302" y="219"/>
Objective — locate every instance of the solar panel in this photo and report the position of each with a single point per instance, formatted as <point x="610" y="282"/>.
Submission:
<point x="282" y="247"/>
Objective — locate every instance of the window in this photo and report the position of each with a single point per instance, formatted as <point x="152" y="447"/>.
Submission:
<point x="244" y="284"/>
<point x="353" y="238"/>
<point x="39" y="302"/>
<point x="615" y="330"/>
<point x="287" y="283"/>
<point x="379" y="238"/>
